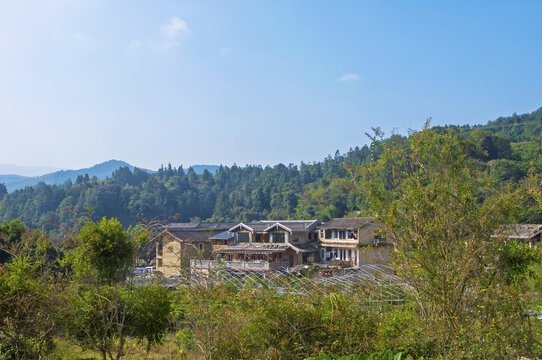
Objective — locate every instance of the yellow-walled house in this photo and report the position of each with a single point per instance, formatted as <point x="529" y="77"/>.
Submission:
<point x="178" y="243"/>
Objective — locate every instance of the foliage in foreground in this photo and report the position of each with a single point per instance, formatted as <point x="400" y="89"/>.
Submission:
<point x="471" y="295"/>
<point x="469" y="281"/>
<point x="26" y="319"/>
<point x="386" y="355"/>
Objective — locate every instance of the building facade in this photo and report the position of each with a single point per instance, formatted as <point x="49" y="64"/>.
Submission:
<point x="355" y="241"/>
<point x="270" y="244"/>
<point x="178" y="243"/>
<point x="529" y="234"/>
<point x="284" y="242"/>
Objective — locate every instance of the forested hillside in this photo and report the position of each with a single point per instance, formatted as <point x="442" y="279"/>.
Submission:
<point x="506" y="149"/>
<point x="100" y="171"/>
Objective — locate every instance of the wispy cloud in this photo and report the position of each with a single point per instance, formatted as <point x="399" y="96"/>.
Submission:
<point x="173" y="32"/>
<point x="225" y="50"/>
<point x="134" y="44"/>
<point x="349" y="77"/>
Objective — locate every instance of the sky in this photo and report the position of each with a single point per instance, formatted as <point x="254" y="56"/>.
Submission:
<point x="252" y="82"/>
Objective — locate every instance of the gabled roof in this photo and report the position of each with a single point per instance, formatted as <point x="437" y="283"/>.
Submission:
<point x="288" y="225"/>
<point x="194" y="231"/>
<point x="279" y="225"/>
<point x="190" y="235"/>
<point x="241" y="226"/>
<point x="346" y="223"/>
<point x="518" y="231"/>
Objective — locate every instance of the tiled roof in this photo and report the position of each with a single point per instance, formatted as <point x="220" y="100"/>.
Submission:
<point x="519" y="231"/>
<point x="294" y="225"/>
<point x="306" y="247"/>
<point x="346" y="223"/>
<point x="193" y="235"/>
<point x="225" y="235"/>
<point x="199" y="225"/>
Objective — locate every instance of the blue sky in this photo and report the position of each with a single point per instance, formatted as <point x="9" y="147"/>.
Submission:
<point x="257" y="82"/>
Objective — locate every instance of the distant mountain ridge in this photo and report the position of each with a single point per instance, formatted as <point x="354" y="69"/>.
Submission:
<point x="100" y="171"/>
<point x="26" y="171"/>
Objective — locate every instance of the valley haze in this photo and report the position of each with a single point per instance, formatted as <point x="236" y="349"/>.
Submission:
<point x="15" y="178"/>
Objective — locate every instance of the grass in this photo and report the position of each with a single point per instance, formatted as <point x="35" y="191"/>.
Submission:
<point x="66" y="350"/>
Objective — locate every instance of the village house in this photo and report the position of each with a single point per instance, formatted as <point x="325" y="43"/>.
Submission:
<point x="270" y="244"/>
<point x="222" y="240"/>
<point x="281" y="244"/>
<point x="526" y="233"/>
<point x="180" y="242"/>
<point x="356" y="241"/>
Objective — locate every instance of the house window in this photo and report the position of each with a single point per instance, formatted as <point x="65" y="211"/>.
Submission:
<point x="200" y="246"/>
<point x="279" y="237"/>
<point x="258" y="238"/>
<point x="322" y="233"/>
<point x="323" y="254"/>
<point x="380" y="236"/>
<point x="159" y="263"/>
<point x="160" y="248"/>
<point x="243" y="237"/>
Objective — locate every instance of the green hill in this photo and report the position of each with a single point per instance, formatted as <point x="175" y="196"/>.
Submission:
<point x="100" y="171"/>
<point x="506" y="149"/>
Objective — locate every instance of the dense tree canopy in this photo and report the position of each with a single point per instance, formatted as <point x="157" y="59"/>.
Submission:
<point x="506" y="149"/>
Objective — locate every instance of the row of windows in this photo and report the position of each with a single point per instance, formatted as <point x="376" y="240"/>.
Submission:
<point x="277" y="237"/>
<point x="339" y="234"/>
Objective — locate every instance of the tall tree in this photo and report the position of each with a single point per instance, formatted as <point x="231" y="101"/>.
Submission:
<point x="442" y="213"/>
<point x="106" y="251"/>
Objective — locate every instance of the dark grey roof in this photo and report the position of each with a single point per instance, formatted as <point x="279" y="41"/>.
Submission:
<point x="199" y="225"/>
<point x="193" y="225"/>
<point x="294" y="225"/>
<point x="306" y="247"/>
<point x="225" y="235"/>
<point x="193" y="235"/>
<point x="346" y="223"/>
<point x="519" y="231"/>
